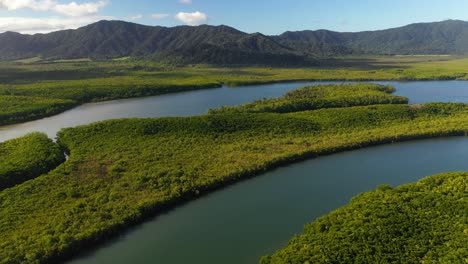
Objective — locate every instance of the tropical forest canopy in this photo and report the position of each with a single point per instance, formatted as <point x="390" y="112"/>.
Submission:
<point x="121" y="171"/>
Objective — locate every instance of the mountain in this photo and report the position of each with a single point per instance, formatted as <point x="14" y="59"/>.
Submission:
<point x="113" y="39"/>
<point x="446" y="37"/>
<point x="319" y="42"/>
<point x="225" y="45"/>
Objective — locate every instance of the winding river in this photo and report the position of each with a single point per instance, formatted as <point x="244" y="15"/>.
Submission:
<point x="198" y="102"/>
<point x="255" y="217"/>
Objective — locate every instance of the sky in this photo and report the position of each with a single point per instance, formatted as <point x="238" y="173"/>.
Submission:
<point x="269" y="17"/>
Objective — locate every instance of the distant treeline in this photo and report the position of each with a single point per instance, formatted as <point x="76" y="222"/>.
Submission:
<point x="32" y="90"/>
<point x="16" y="109"/>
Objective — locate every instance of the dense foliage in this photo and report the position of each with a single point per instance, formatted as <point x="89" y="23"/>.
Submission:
<point x="446" y="37"/>
<point x="25" y="158"/>
<point x="186" y="44"/>
<point x="15" y="109"/>
<point x="321" y="96"/>
<point x="85" y="81"/>
<point x="223" y="45"/>
<point x="103" y="89"/>
<point x="122" y="170"/>
<point x="423" y="222"/>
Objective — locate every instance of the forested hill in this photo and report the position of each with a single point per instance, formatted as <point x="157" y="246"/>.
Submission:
<point x="114" y="39"/>
<point x="446" y="37"/>
<point x="226" y="45"/>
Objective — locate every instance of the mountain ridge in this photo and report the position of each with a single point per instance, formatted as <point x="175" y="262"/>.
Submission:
<point x="226" y="45"/>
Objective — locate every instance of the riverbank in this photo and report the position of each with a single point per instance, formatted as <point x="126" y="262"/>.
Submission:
<point x="122" y="171"/>
<point x="260" y="215"/>
<point x="87" y="81"/>
<point x="413" y="223"/>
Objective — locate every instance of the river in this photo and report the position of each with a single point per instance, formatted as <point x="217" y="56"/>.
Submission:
<point x="241" y="223"/>
<point x="198" y="102"/>
<point x="255" y="217"/>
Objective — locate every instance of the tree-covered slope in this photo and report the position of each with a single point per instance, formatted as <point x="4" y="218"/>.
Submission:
<point x="318" y="42"/>
<point x="423" y="222"/>
<point x="226" y="46"/>
<point x="446" y="37"/>
<point x="114" y="39"/>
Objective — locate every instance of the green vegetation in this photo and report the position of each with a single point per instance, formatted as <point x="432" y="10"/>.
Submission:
<point x="59" y="65"/>
<point x="86" y="81"/>
<point x="120" y="171"/>
<point x="15" y="109"/>
<point x="220" y="45"/>
<point x="123" y="170"/>
<point x="321" y="96"/>
<point x="224" y="45"/>
<point x="446" y="37"/>
<point x="27" y="157"/>
<point x="423" y="222"/>
<point x="102" y="89"/>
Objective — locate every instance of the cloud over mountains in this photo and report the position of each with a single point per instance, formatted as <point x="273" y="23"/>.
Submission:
<point x="193" y="19"/>
<point x="69" y="9"/>
<point x="42" y="16"/>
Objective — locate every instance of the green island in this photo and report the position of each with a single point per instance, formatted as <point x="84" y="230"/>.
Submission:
<point x="25" y="158"/>
<point x="36" y="88"/>
<point x="423" y="222"/>
<point x="121" y="171"/>
<point x="321" y="96"/>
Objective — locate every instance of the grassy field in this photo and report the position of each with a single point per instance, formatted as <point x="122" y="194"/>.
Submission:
<point x="121" y="171"/>
<point x="423" y="222"/>
<point x="86" y="81"/>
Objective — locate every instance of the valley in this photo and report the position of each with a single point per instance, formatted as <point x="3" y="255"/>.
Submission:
<point x="174" y="141"/>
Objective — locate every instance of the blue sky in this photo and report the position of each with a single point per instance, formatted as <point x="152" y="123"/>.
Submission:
<point x="266" y="16"/>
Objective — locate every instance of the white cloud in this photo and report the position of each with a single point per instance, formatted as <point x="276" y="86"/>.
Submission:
<point x="28" y="25"/>
<point x="38" y="5"/>
<point x="74" y="9"/>
<point x="159" y="16"/>
<point x="193" y="19"/>
<point x="135" y="17"/>
<point x="70" y="9"/>
<point x="74" y="15"/>
<point x="185" y="1"/>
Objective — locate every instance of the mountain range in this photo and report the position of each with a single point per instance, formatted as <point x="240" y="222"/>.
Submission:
<point x="225" y="45"/>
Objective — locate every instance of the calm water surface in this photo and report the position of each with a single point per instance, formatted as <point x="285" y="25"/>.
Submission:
<point x="255" y="217"/>
<point x="198" y="102"/>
